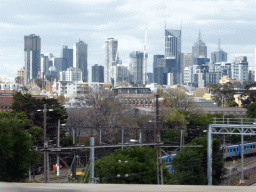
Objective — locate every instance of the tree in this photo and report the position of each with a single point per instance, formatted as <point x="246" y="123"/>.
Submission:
<point x="61" y="99"/>
<point x="190" y="164"/>
<point x="19" y="79"/>
<point x="141" y="167"/>
<point x="14" y="150"/>
<point x="24" y="89"/>
<point x="249" y="96"/>
<point x="174" y="119"/>
<point x="176" y="98"/>
<point x="251" y="110"/>
<point x="222" y="93"/>
<point x="39" y="82"/>
<point x="30" y="105"/>
<point x="199" y="92"/>
<point x="232" y="104"/>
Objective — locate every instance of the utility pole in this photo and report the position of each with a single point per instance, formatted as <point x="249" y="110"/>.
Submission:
<point x="46" y="153"/>
<point x="58" y="145"/>
<point x="158" y="139"/>
<point x="242" y="153"/>
<point x="74" y="166"/>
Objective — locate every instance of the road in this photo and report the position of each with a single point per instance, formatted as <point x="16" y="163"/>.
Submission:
<point x="39" y="187"/>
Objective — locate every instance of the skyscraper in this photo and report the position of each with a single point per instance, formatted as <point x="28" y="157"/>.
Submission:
<point x="173" y="52"/>
<point x="199" y="50"/>
<point x="97" y="73"/>
<point x="80" y="58"/>
<point x="219" y="55"/>
<point x="136" y="66"/>
<point x="111" y="59"/>
<point x="67" y="55"/>
<point x="32" y="49"/>
<point x="44" y="66"/>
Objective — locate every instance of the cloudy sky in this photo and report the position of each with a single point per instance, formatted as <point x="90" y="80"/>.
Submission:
<point x="63" y="22"/>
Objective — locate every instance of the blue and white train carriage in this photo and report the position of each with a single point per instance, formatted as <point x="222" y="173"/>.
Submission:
<point x="235" y="150"/>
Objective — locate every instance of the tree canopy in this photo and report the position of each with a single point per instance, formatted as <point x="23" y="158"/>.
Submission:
<point x="14" y="149"/>
<point x="141" y="167"/>
<point x="190" y="164"/>
<point x="222" y="93"/>
<point x="28" y="104"/>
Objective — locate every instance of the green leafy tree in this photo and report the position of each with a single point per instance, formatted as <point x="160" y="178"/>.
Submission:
<point x="232" y="104"/>
<point x="174" y="119"/>
<point x="222" y="93"/>
<point x="190" y="164"/>
<point x="141" y="167"/>
<point x="39" y="82"/>
<point x="178" y="99"/>
<point x="249" y="96"/>
<point x="29" y="105"/>
<point x="251" y="110"/>
<point x="14" y="149"/>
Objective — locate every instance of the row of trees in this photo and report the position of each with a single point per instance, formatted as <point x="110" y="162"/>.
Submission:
<point x="22" y="128"/>
<point x="138" y="166"/>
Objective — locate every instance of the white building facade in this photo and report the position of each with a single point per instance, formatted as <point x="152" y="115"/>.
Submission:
<point x="111" y="59"/>
<point x="72" y="74"/>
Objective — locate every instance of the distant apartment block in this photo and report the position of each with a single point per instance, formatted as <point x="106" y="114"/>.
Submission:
<point x="21" y="74"/>
<point x="72" y="74"/>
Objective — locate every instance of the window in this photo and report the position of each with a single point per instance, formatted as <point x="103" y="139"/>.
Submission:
<point x="130" y="102"/>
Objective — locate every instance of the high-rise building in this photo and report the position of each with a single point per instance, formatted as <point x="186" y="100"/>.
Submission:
<point x="172" y="43"/>
<point x="111" y="59"/>
<point x="80" y="58"/>
<point x="67" y="55"/>
<point x="199" y="50"/>
<point x="121" y="73"/>
<point x="136" y="66"/>
<point x="32" y="49"/>
<point x="150" y="77"/>
<point x="60" y="64"/>
<point x="239" y="69"/>
<point x="173" y="52"/>
<point x="219" y="55"/>
<point x="188" y="61"/>
<point x="44" y="67"/>
<point x="97" y="73"/>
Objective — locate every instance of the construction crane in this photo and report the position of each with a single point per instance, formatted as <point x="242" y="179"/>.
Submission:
<point x="144" y="60"/>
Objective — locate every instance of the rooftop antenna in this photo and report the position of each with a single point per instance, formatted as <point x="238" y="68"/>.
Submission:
<point x="199" y="35"/>
<point x="219" y="45"/>
<point x="181" y="25"/>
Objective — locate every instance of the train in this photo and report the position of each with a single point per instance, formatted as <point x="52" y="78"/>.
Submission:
<point x="229" y="151"/>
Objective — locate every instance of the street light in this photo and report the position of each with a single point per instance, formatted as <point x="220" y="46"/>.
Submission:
<point x="126" y="175"/>
<point x="46" y="153"/>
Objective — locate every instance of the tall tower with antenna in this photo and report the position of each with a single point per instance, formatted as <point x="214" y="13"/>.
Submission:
<point x="199" y="50"/>
<point x="219" y="55"/>
<point x="173" y="54"/>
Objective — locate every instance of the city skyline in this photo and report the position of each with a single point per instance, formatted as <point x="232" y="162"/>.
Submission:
<point x="63" y="23"/>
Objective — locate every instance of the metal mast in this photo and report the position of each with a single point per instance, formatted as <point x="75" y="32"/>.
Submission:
<point x="144" y="60"/>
